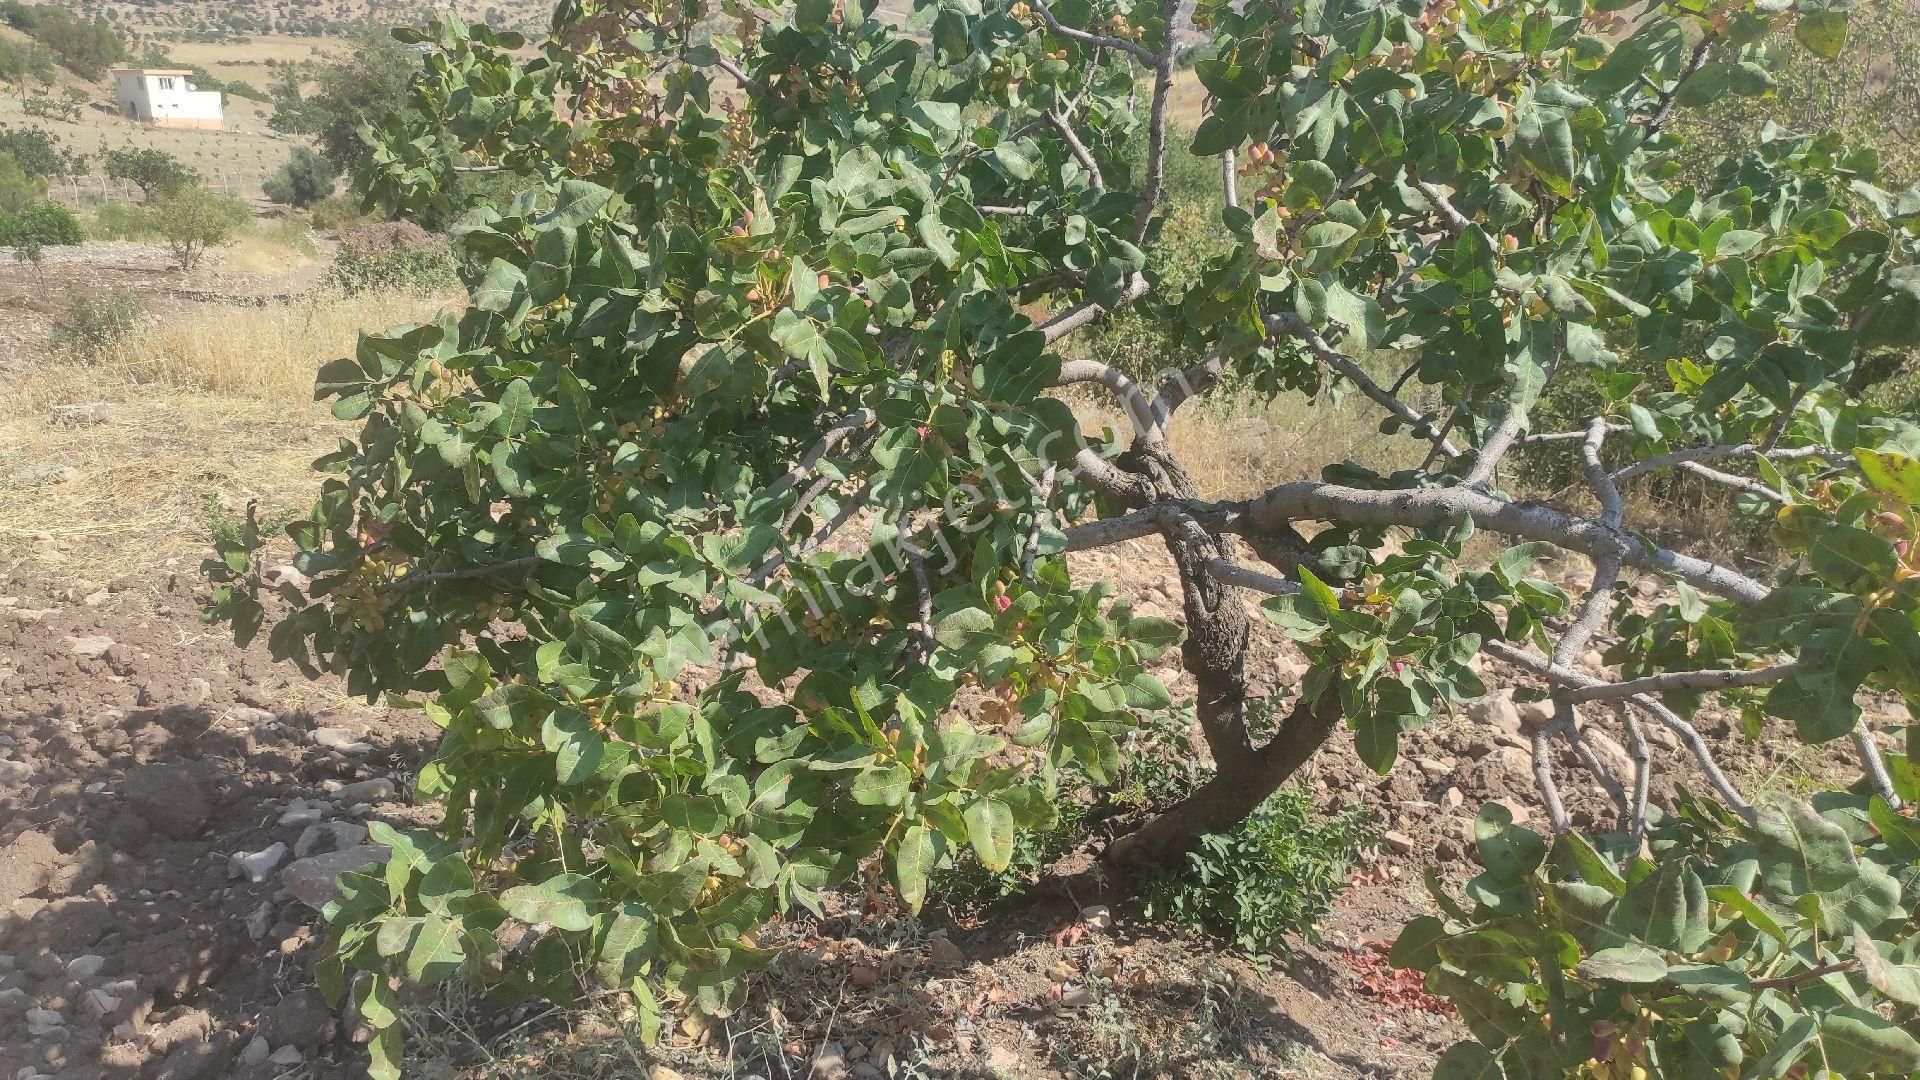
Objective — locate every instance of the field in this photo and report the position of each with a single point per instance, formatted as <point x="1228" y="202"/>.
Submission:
<point x="175" y="808"/>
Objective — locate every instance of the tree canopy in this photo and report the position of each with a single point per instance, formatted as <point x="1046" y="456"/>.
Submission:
<point x="726" y="533"/>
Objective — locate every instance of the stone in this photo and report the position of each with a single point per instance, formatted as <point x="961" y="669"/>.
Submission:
<point x="255" y="1052"/>
<point x="98" y="1004"/>
<point x="1453" y="799"/>
<point x="945" y="952"/>
<point x="249" y="716"/>
<point x="257" y="866"/>
<point x="300" y="1019"/>
<point x="93" y="648"/>
<point x="301" y="814"/>
<point x="169" y="798"/>
<point x="830" y="1062"/>
<point x="1433" y="767"/>
<point x="314" y="881"/>
<point x="333" y="738"/>
<point x="1534" y="714"/>
<point x="328" y="836"/>
<point x="120" y="660"/>
<point x="43" y="1021"/>
<point x="14" y="774"/>
<point x="286" y="1055"/>
<point x="196" y="693"/>
<point x="1097" y="916"/>
<point x="1496" y="711"/>
<point x="1611" y="754"/>
<point x="1400" y="843"/>
<point x="376" y="790"/>
<point x="260" y="920"/>
<point x="86" y="966"/>
<point x="14" y="1000"/>
<point x="1593" y="659"/>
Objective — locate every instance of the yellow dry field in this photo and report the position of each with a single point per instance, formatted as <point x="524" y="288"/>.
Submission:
<point x="210" y="406"/>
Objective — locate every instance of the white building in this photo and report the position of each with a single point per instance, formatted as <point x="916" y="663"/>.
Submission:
<point x="165" y="98"/>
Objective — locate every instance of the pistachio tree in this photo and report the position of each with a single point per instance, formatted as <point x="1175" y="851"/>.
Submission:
<point x="727" y="532"/>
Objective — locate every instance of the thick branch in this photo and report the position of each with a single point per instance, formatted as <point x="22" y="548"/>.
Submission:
<point x="1146" y="423"/>
<point x="1078" y="148"/>
<point x="1157" y="121"/>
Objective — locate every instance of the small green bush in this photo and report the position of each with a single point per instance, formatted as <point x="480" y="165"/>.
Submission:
<point x="119" y="221"/>
<point x="45" y="224"/>
<point x="96" y="322"/>
<point x="303" y="180"/>
<point x="1272" y="876"/>
<point x="423" y="268"/>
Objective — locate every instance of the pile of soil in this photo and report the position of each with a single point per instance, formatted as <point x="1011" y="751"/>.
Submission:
<point x="150" y="772"/>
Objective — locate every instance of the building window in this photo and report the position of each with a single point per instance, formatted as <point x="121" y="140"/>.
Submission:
<point x="166" y="84"/>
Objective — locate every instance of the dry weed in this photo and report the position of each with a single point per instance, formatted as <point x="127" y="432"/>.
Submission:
<point x="213" y="404"/>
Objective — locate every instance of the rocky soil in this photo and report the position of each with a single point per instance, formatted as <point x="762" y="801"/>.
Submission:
<point x="169" y="809"/>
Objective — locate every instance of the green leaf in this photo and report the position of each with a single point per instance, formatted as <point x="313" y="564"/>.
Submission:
<point x="1508" y="851"/>
<point x="1467" y="1061"/>
<point x="1857" y="1042"/>
<point x="1824" y="33"/>
<point x="1633" y="964"/>
<point x="562" y="901"/>
<point x="913" y="862"/>
<point x="1323" y="600"/>
<point x="1895" y="474"/>
<point x="885" y="785"/>
<point x="990" y="829"/>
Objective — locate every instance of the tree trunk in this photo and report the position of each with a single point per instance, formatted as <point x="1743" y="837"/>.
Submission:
<point x="1214" y="653"/>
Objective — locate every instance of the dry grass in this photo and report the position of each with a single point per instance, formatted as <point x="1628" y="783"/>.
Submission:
<point x="1237" y="446"/>
<point x="211" y="404"/>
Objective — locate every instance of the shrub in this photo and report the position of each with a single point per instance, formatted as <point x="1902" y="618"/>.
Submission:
<point x="119" y="221"/>
<point x="96" y="323"/>
<point x="1270" y="877"/>
<point x="18" y="189"/>
<point x="423" y="268"/>
<point x="39" y="152"/>
<point x="192" y="219"/>
<point x="305" y="179"/>
<point x="1712" y="945"/>
<point x="697" y="348"/>
<point x="154" y="172"/>
<point x="46" y="224"/>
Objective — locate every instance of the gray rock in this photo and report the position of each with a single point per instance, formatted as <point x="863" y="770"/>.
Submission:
<point x="91" y="412"/>
<point x="247" y="714"/>
<point x="830" y="1062"/>
<point x="43" y="1021"/>
<point x="98" y="1004"/>
<point x="328" y="836"/>
<point x="14" y="774"/>
<point x="1496" y="711"/>
<point x="333" y="738"/>
<point x="379" y="789"/>
<point x="1400" y="842"/>
<point x="86" y="965"/>
<point x="286" y="1055"/>
<point x="300" y="813"/>
<point x="314" y="881"/>
<point x="256" y="866"/>
<point x="92" y="647"/>
<point x="300" y="1019"/>
<point x="256" y="1052"/>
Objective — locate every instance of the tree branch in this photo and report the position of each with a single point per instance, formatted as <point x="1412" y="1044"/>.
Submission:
<point x="1098" y="41"/>
<point x="1146" y="422"/>
<point x="1292" y="324"/>
<point x="1087" y="311"/>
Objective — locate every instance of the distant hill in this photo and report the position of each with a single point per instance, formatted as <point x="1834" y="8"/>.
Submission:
<point x="318" y="18"/>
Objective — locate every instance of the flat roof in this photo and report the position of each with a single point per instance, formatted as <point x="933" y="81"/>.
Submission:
<point x="152" y="71"/>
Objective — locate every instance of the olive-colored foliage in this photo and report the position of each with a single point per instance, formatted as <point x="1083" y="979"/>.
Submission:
<point x="191" y="219"/>
<point x="752" y="287"/>
<point x="1778" y="947"/>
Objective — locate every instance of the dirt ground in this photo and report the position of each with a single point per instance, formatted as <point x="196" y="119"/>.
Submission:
<point x="163" y="796"/>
